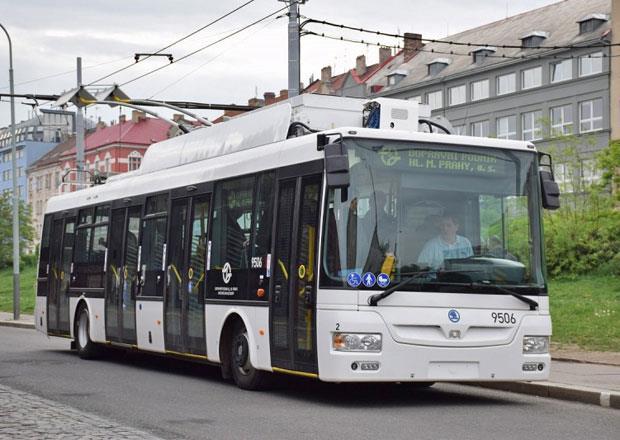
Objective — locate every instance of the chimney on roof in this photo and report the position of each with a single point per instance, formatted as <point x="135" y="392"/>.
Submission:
<point x="122" y="119"/>
<point x="413" y="42"/>
<point x="360" y="65"/>
<point x="326" y="74"/>
<point x="385" y="53"/>
<point x="137" y="116"/>
<point x="100" y="124"/>
<point x="256" y="102"/>
<point x="177" y="117"/>
<point x="270" y="98"/>
<point x="283" y="95"/>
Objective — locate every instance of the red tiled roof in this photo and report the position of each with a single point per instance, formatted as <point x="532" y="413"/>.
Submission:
<point x="145" y="132"/>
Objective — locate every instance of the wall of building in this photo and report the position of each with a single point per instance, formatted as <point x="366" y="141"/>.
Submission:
<point x="27" y="153"/>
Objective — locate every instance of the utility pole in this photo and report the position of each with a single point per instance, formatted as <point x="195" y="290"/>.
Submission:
<point x="16" y="307"/>
<point x="293" y="47"/>
<point x="79" y="132"/>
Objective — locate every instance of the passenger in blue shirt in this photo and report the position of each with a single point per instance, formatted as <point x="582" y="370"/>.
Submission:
<point x="446" y="245"/>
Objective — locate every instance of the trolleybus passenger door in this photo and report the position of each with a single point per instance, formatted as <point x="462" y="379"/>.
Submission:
<point x="184" y="315"/>
<point x="122" y="273"/>
<point x="293" y="335"/>
<point x="55" y="275"/>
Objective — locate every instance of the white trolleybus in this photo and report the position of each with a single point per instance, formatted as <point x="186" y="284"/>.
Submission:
<point x="325" y="237"/>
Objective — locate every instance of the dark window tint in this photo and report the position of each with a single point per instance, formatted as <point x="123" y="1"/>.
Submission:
<point x="44" y="253"/>
<point x="157" y="204"/>
<point x="153" y="242"/>
<point x="86" y="216"/>
<point x="263" y="214"/>
<point x="233" y="223"/>
<point x="101" y="214"/>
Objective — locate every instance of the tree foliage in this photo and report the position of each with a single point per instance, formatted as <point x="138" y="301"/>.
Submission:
<point x="6" y="230"/>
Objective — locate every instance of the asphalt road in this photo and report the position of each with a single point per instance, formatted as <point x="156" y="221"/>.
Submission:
<point x="175" y="399"/>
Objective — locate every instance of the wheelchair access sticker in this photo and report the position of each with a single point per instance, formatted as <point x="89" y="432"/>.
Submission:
<point x="354" y="279"/>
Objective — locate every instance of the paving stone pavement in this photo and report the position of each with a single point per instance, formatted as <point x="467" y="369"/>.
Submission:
<point x="26" y="416"/>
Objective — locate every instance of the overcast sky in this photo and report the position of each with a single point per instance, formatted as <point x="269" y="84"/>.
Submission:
<point x="48" y="36"/>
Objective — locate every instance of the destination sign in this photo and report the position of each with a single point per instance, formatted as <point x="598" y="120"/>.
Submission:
<point x="443" y="161"/>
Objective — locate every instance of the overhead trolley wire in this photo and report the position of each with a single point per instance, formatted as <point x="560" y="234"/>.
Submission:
<point x="451" y="52"/>
<point x="458" y="43"/>
<point x="254" y="23"/>
<point x="211" y="23"/>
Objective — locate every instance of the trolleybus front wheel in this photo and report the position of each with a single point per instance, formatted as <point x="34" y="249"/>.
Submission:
<point x="244" y="374"/>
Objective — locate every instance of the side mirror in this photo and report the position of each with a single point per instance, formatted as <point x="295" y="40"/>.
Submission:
<point x="337" y="165"/>
<point x="550" y="190"/>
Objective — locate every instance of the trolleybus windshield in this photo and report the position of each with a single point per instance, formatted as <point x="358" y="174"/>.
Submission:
<point x="469" y="215"/>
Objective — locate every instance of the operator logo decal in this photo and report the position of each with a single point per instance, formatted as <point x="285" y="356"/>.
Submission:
<point x="354" y="279"/>
<point x="383" y="280"/>
<point x="454" y="316"/>
<point x="369" y="279"/>
<point x="389" y="156"/>
<point x="226" y="273"/>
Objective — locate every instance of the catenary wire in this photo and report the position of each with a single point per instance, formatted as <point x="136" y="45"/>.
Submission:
<point x="206" y="47"/>
<point x="451" y="52"/>
<point x="459" y="43"/>
<point x="220" y="18"/>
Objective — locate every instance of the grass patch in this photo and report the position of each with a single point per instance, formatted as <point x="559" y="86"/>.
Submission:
<point x="585" y="312"/>
<point x="27" y="279"/>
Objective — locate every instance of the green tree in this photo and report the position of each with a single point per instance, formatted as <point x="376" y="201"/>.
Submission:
<point x="609" y="163"/>
<point x="6" y="230"/>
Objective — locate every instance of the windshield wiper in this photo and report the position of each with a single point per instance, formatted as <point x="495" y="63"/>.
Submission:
<point x="374" y="299"/>
<point x="533" y="304"/>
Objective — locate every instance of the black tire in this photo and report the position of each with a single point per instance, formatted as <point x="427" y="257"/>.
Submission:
<point x="243" y="372"/>
<point x="86" y="348"/>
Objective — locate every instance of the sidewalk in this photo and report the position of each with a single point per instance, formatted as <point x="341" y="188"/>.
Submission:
<point x="588" y="377"/>
<point x="26" y="416"/>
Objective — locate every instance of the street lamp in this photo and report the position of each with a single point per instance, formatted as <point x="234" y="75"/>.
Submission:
<point x="15" y="195"/>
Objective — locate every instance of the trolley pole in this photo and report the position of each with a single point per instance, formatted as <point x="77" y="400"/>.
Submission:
<point x="79" y="132"/>
<point x="293" y="48"/>
<point x="16" y="307"/>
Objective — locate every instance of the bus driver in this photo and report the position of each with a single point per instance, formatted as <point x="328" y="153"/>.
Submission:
<point x="446" y="245"/>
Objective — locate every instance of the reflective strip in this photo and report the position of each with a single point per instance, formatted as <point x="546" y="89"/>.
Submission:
<point x="295" y="373"/>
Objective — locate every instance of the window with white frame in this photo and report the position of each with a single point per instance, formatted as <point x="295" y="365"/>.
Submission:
<point x="133" y="161"/>
<point x="531" y="123"/>
<point x="591" y="115"/>
<point x="591" y="64"/>
<point x="561" y="71"/>
<point x="506" y="83"/>
<point x="460" y="130"/>
<point x="457" y="95"/>
<point x="561" y="120"/>
<point x="435" y="99"/>
<point x="479" y="90"/>
<point x="531" y="78"/>
<point x="480" y="128"/>
<point x="507" y="127"/>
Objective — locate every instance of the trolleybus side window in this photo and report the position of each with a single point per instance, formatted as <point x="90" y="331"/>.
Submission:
<point x="153" y="246"/>
<point x="44" y="253"/>
<point x="232" y="223"/>
<point x="263" y="214"/>
<point x="91" y="247"/>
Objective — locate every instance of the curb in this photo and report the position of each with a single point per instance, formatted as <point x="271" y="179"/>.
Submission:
<point x="17" y="324"/>
<point x="571" y="393"/>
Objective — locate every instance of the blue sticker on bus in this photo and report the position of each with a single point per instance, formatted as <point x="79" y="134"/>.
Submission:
<point x="354" y="279"/>
<point x="454" y="315"/>
<point x="383" y="280"/>
<point x="369" y="279"/>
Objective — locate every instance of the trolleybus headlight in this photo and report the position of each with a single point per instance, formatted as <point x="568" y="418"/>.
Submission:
<point x="535" y="344"/>
<point x="357" y="342"/>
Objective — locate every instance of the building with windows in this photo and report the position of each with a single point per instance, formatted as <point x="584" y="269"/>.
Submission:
<point x="524" y="92"/>
<point x="34" y="138"/>
<point x="116" y="148"/>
